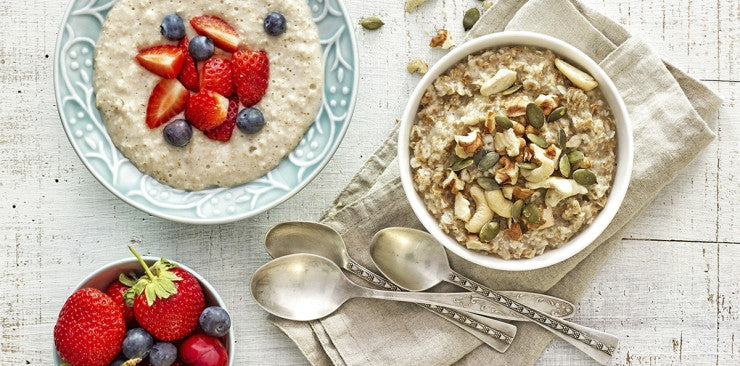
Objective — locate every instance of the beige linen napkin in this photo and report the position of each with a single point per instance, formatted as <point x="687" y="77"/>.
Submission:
<point x="669" y="113"/>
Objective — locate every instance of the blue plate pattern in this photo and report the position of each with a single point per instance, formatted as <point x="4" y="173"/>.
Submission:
<point x="73" y="67"/>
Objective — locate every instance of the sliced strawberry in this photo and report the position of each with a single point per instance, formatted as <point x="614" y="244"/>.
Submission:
<point x="224" y="130"/>
<point x="216" y="75"/>
<point x="165" y="61"/>
<point x="189" y="72"/>
<point x="215" y="28"/>
<point x="251" y="75"/>
<point x="168" y="98"/>
<point x="206" y="110"/>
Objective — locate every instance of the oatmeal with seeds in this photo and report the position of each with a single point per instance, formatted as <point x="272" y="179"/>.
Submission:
<point x="513" y="151"/>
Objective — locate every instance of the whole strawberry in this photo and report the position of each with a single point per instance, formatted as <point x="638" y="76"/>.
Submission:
<point x="251" y="75"/>
<point x="115" y="291"/>
<point x="90" y="329"/>
<point x="167" y="300"/>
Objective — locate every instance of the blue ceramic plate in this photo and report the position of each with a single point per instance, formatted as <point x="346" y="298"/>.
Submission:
<point x="73" y="67"/>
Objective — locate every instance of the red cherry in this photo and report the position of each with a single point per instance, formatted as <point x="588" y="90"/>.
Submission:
<point x="203" y="350"/>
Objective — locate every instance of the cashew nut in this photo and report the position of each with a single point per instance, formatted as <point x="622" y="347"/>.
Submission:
<point x="558" y="189"/>
<point x="507" y="191"/>
<point x="474" y="244"/>
<point x="482" y="214"/>
<point x="546" y="168"/>
<point x="546" y="219"/>
<point x="500" y="205"/>
<point x="462" y="207"/>
<point x="503" y="79"/>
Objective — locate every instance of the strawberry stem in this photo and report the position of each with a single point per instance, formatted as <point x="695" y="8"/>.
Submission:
<point x="143" y="264"/>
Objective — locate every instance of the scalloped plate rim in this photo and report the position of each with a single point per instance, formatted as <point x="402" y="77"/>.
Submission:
<point x="221" y="220"/>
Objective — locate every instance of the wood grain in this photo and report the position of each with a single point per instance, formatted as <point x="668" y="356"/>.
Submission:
<point x="670" y="291"/>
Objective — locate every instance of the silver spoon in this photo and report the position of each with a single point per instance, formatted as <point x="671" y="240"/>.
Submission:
<point x="307" y="287"/>
<point x="415" y="261"/>
<point x="315" y="238"/>
<point x="319" y="239"/>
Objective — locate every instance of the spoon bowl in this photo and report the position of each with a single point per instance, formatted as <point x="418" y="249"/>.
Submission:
<point x="300" y="287"/>
<point x="413" y="261"/>
<point x="306" y="237"/>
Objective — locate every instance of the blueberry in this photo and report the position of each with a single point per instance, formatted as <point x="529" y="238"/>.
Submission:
<point x="215" y="321"/>
<point x="173" y="27"/>
<point x="178" y="133"/>
<point x="201" y="48"/>
<point x="274" y="24"/>
<point x="137" y="343"/>
<point x="163" y="354"/>
<point x="250" y="120"/>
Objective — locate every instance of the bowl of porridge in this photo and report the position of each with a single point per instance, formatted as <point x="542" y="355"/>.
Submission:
<point x="515" y="151"/>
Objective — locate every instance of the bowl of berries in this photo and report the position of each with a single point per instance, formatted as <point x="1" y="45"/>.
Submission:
<point x="147" y="311"/>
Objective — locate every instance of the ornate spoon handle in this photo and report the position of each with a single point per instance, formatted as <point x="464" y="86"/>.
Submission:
<point x="598" y="345"/>
<point x="494" y="333"/>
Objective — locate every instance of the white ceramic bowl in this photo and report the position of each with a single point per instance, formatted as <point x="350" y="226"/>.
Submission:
<point x="103" y="277"/>
<point x="624" y="149"/>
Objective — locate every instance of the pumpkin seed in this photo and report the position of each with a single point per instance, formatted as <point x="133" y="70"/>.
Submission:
<point x="461" y="164"/>
<point x="575" y="156"/>
<point x="564" y="166"/>
<point x="512" y="89"/>
<point x="489" y="231"/>
<point x="504" y="122"/>
<point x="531" y="213"/>
<point x="488" y="161"/>
<point x="562" y="139"/>
<point x="488" y="184"/>
<point x="537" y="140"/>
<point x="470" y="18"/>
<point x="528" y="166"/>
<point x="371" y="23"/>
<point x="516" y="209"/>
<point x="557" y="114"/>
<point x="479" y="155"/>
<point x="535" y="116"/>
<point x="584" y="177"/>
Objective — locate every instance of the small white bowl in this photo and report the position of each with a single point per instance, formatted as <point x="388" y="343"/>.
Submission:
<point x="103" y="277"/>
<point x="624" y="151"/>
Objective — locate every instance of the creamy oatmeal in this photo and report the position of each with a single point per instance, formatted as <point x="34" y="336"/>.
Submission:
<point x="512" y="154"/>
<point x="290" y="105"/>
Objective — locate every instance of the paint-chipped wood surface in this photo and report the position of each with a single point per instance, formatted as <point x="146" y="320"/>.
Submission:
<point x="671" y="291"/>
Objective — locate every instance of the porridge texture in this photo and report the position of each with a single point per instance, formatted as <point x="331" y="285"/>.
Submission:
<point x="290" y="105"/>
<point x="513" y="151"/>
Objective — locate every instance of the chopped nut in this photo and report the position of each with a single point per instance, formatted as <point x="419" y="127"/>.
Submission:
<point x="490" y="124"/>
<point x="530" y="129"/>
<point x="442" y="40"/>
<point x="576" y="76"/>
<point x="546" y="168"/>
<point x="453" y="183"/>
<point x="503" y="79"/>
<point x="469" y="143"/>
<point x="517" y="107"/>
<point x="585" y="163"/>
<point x="473" y="242"/>
<point x="519" y="129"/>
<point x="482" y="214"/>
<point x="412" y="4"/>
<point x="558" y="189"/>
<point x="462" y="208"/>
<point x="514" y="232"/>
<point x="508" y="173"/>
<point x="507" y="141"/>
<point x="417" y="66"/>
<point x="522" y="193"/>
<point x="508" y="192"/>
<point x="552" y="152"/>
<point x="547" y="102"/>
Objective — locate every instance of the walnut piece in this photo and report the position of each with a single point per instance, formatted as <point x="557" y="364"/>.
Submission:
<point x="469" y="143"/>
<point x="547" y="102"/>
<point x="442" y="40"/>
<point x="417" y="66"/>
<point x="453" y="183"/>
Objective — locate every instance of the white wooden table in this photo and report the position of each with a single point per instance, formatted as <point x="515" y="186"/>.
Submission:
<point x="671" y="291"/>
